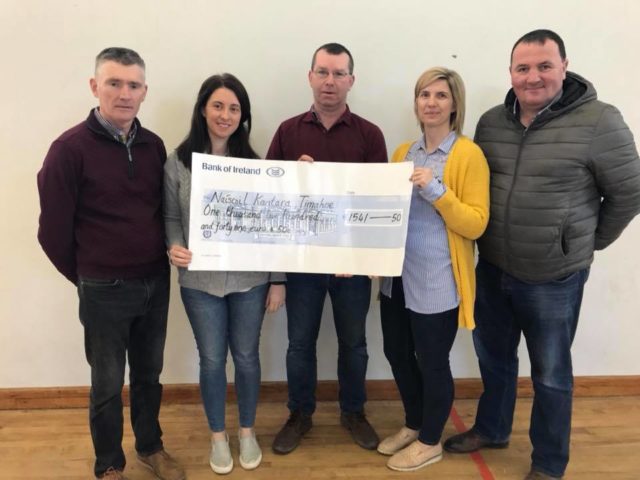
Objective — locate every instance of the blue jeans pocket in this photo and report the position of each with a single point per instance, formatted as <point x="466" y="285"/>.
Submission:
<point x="584" y="273"/>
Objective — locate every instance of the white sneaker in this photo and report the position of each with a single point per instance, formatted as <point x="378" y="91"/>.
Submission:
<point x="220" y="458"/>
<point x="250" y="453"/>
<point x="397" y="441"/>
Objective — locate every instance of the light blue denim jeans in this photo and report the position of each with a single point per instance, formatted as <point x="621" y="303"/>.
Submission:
<point x="219" y="324"/>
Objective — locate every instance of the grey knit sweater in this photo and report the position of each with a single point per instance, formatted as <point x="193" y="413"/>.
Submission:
<point x="177" y="191"/>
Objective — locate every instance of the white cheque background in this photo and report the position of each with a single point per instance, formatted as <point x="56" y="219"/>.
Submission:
<point x="297" y="178"/>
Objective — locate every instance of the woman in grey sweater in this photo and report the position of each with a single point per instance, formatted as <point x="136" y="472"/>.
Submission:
<point x="225" y="309"/>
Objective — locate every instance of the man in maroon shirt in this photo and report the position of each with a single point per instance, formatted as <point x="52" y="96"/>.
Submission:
<point x="328" y="132"/>
<point x="101" y="226"/>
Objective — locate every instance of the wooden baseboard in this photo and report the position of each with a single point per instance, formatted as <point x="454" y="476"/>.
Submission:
<point x="466" y="388"/>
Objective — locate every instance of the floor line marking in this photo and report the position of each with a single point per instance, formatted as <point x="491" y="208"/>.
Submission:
<point x="478" y="459"/>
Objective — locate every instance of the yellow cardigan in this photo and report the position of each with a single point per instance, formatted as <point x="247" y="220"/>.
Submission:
<point x="465" y="210"/>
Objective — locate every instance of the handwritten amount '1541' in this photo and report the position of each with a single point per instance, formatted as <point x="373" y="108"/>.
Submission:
<point x="373" y="218"/>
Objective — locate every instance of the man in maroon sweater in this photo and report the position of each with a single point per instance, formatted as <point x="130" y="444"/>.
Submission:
<point x="101" y="226"/>
<point x="328" y="132"/>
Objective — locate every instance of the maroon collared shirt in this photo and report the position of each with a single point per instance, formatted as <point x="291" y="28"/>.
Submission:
<point x="350" y="139"/>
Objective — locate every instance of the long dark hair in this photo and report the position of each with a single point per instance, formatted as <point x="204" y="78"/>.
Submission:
<point x="197" y="140"/>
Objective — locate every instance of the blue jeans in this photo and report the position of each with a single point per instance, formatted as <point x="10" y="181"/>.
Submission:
<point x="219" y="324"/>
<point x="547" y="314"/>
<point x="124" y="318"/>
<point x="350" y="299"/>
<point x="417" y="346"/>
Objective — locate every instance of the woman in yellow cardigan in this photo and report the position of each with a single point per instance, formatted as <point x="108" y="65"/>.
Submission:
<point x="422" y="309"/>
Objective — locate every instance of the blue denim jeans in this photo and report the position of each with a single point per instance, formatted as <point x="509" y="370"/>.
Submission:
<point x="417" y="346"/>
<point x="547" y="314"/>
<point x="350" y="299"/>
<point x="219" y="324"/>
<point x="124" y="318"/>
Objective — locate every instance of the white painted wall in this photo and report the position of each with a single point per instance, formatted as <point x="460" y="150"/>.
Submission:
<point x="48" y="49"/>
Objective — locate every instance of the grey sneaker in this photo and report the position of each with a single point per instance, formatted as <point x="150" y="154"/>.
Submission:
<point x="220" y="458"/>
<point x="250" y="453"/>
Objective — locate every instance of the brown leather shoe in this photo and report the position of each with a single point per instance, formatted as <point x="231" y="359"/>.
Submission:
<point x="538" y="475"/>
<point x="163" y="466"/>
<point x="361" y="430"/>
<point x="289" y="436"/>
<point x="470" y="441"/>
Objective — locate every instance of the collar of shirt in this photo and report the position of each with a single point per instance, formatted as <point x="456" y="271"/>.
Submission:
<point x="114" y="131"/>
<point x="444" y="147"/>
<point x="312" y="117"/>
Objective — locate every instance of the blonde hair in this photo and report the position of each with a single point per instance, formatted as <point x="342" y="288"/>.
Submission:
<point x="456" y="85"/>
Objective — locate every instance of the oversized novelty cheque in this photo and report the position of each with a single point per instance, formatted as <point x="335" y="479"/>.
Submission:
<point x="290" y="216"/>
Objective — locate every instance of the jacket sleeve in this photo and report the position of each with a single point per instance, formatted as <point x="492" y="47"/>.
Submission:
<point x="58" y="186"/>
<point x="616" y="170"/>
<point x="465" y="204"/>
<point x="173" y="225"/>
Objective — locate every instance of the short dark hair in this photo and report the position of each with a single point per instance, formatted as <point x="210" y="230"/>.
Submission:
<point x="121" y="55"/>
<point x="541" y="36"/>
<point x="197" y="140"/>
<point x="333" y="49"/>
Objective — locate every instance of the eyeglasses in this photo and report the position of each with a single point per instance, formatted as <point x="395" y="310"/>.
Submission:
<point x="323" y="74"/>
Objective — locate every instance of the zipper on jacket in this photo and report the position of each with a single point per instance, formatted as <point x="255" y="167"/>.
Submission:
<point x="130" y="161"/>
<point x="507" y="220"/>
<point x="130" y="169"/>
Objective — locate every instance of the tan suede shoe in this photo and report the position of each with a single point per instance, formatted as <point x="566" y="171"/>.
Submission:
<point x="397" y="441"/>
<point x="415" y="456"/>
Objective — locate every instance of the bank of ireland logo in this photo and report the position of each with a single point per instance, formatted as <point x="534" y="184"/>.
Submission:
<point x="275" y="171"/>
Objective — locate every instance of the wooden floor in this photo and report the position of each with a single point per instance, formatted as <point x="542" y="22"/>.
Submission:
<point x="55" y="444"/>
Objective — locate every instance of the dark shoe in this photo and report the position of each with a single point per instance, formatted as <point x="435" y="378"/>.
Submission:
<point x="361" y="430"/>
<point x="288" y="438"/>
<point x="538" y="475"/>
<point x="470" y="441"/>
<point x="113" y="474"/>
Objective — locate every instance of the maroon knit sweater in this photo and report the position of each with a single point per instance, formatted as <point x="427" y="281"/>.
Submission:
<point x="101" y="204"/>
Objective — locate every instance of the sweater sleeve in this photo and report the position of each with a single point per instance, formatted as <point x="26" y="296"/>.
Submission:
<point x="465" y="203"/>
<point x="277" y="277"/>
<point x="58" y="186"/>
<point x="377" y="148"/>
<point x="171" y="204"/>
<point x="275" y="149"/>
<point x="400" y="152"/>
<point x="616" y="169"/>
